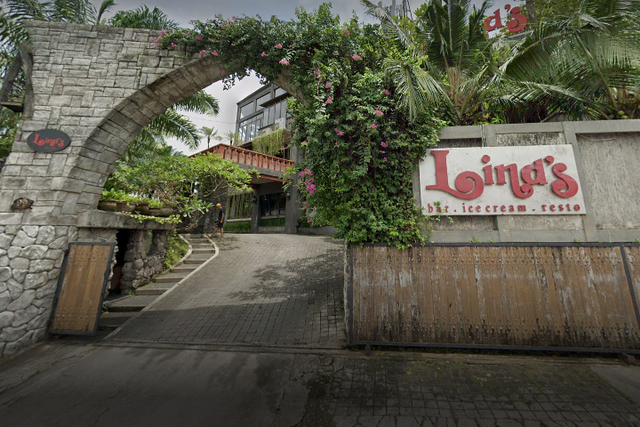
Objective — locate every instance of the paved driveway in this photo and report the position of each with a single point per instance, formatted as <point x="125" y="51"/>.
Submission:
<point x="262" y="289"/>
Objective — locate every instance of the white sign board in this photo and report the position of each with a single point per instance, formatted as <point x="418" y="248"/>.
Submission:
<point x="535" y="180"/>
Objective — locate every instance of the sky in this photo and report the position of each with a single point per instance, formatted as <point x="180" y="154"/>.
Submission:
<point x="184" y="11"/>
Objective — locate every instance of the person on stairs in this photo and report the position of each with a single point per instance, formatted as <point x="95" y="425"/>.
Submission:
<point x="222" y="216"/>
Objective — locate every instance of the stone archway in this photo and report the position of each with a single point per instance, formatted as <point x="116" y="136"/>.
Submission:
<point x="101" y="86"/>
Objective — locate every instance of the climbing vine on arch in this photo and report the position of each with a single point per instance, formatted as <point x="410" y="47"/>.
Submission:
<point x="360" y="147"/>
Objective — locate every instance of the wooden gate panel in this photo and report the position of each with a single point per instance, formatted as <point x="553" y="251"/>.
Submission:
<point x="81" y="289"/>
<point x="568" y="296"/>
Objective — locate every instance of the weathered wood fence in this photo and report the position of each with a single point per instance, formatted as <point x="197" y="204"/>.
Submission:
<point x="494" y="295"/>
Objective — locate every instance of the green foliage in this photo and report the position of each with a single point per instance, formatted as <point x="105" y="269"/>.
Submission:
<point x="8" y="126"/>
<point x="360" y="147"/>
<point x="184" y="182"/>
<point x="271" y="222"/>
<point x="143" y="17"/>
<point x="270" y="143"/>
<point x="238" y="226"/>
<point x="176" y="250"/>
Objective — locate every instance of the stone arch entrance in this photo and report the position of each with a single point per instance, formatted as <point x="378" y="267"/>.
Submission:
<point x="101" y="86"/>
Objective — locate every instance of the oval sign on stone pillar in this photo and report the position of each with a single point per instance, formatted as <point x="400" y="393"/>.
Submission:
<point x="48" y="140"/>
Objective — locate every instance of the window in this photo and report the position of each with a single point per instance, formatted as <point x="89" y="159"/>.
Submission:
<point x="248" y="129"/>
<point x="239" y="206"/>
<point x="263" y="99"/>
<point x="272" y="205"/>
<point x="280" y="91"/>
<point x="245" y="110"/>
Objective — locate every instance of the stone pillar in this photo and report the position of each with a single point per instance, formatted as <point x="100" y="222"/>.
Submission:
<point x="31" y="259"/>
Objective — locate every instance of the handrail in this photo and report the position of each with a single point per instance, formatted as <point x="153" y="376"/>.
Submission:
<point x="251" y="158"/>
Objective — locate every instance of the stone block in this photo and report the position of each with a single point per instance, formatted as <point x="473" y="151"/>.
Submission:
<point x="54" y="254"/>
<point x="15" y="289"/>
<point x="14" y="182"/>
<point x="6" y="319"/>
<point x="11" y="218"/>
<point x="59" y="243"/>
<point x="23" y="240"/>
<point x="46" y="235"/>
<point x="10" y="335"/>
<point x="23" y="301"/>
<point x="38" y="323"/>
<point x="31" y="231"/>
<point x="4" y="262"/>
<point x="34" y="252"/>
<point x="19" y="275"/>
<point x="5" y="274"/>
<point x="5" y="300"/>
<point x="5" y="240"/>
<point x="22" y="317"/>
<point x="39" y="276"/>
<point x="13" y="252"/>
<point x="20" y="263"/>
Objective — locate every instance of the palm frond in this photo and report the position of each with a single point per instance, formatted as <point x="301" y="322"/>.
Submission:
<point x="200" y="102"/>
<point x="172" y="124"/>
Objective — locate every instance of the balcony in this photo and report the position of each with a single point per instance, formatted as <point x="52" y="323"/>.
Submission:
<point x="269" y="167"/>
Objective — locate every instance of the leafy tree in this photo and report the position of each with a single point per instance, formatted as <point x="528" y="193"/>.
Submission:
<point x="359" y="146"/>
<point x="188" y="183"/>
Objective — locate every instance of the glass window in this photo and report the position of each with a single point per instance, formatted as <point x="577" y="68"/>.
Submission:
<point x="263" y="99"/>
<point x="246" y="110"/>
<point x="271" y="112"/>
<point x="280" y="91"/>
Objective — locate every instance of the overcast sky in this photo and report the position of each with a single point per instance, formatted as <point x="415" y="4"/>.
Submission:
<point x="183" y="11"/>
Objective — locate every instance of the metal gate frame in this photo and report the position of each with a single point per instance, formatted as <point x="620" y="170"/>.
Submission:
<point x="636" y="304"/>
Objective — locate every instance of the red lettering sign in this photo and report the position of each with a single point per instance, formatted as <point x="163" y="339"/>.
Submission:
<point x="517" y="23"/>
<point x="48" y="140"/>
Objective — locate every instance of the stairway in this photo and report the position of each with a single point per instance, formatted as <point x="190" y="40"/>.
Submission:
<point x="121" y="308"/>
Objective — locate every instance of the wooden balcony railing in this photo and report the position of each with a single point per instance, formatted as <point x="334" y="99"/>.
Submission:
<point x="251" y="158"/>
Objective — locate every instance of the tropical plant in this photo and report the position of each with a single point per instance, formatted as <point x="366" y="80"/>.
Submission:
<point x="143" y="17"/>
<point x="360" y="147"/>
<point x="188" y="183"/>
<point x="210" y="133"/>
<point x="233" y="137"/>
<point x="271" y="143"/>
<point x="591" y="53"/>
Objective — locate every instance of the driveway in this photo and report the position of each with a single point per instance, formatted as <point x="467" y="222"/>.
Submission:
<point x="262" y="289"/>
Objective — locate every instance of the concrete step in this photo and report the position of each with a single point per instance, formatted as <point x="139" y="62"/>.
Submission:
<point x="171" y="277"/>
<point x="131" y="304"/>
<point x="184" y="269"/>
<point x="147" y="291"/>
<point x="201" y="256"/>
<point x="112" y="320"/>
<point x="191" y="261"/>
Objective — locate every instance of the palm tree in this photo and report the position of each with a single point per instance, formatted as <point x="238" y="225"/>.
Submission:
<point x="446" y="58"/>
<point x="591" y="53"/>
<point x="210" y="133"/>
<point x="234" y="137"/>
<point x="143" y="17"/>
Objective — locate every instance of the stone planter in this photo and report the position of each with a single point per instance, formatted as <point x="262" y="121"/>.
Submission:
<point x="124" y="207"/>
<point x="107" y="205"/>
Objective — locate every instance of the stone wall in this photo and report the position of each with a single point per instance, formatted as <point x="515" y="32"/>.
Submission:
<point x="608" y="160"/>
<point x="141" y="265"/>
<point x="99" y="85"/>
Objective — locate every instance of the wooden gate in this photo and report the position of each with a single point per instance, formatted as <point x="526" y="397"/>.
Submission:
<point x="81" y="288"/>
<point x="572" y="296"/>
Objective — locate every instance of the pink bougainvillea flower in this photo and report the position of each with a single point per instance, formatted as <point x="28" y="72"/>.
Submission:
<point x="384" y="144"/>
<point x="328" y="85"/>
<point x="198" y="37"/>
<point x="385" y="159"/>
<point x="386" y="92"/>
<point x="263" y="54"/>
<point x="222" y="73"/>
<point x="356" y="57"/>
<point x="328" y="101"/>
<point x="155" y="47"/>
<point x="336" y="122"/>
<point x="203" y="51"/>
<point x="378" y="113"/>
<point x="308" y="172"/>
<point x="346" y="32"/>
<point x="302" y="174"/>
<point x="373" y="125"/>
<point x="173" y="45"/>
<point x="214" y="53"/>
<point x="340" y="133"/>
<point x="336" y="144"/>
<point x="278" y="46"/>
<point x="284" y="62"/>
<point x="223" y="26"/>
